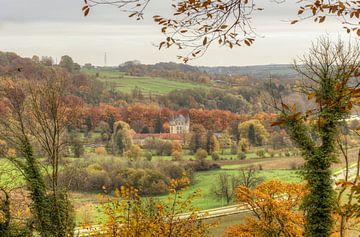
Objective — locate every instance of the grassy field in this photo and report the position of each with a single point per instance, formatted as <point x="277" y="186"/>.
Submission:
<point x="86" y="203"/>
<point x="148" y="85"/>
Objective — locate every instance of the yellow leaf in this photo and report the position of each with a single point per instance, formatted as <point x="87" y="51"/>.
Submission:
<point x="311" y="95"/>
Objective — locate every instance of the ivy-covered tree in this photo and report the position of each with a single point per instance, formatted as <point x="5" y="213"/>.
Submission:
<point x="330" y="77"/>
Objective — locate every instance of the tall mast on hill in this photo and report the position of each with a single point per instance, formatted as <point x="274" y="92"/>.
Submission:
<point x="105" y="60"/>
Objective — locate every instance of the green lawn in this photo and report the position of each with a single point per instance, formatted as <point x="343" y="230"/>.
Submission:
<point x="153" y="85"/>
<point x="206" y="180"/>
<point x="87" y="202"/>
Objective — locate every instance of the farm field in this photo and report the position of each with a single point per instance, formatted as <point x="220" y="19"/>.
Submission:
<point x="148" y="85"/>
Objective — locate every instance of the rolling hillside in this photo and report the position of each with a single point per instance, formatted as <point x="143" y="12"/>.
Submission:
<point x="153" y="85"/>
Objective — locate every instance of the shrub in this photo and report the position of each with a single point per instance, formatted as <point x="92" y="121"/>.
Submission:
<point x="77" y="148"/>
<point x="215" y="156"/>
<point x="271" y="153"/>
<point x="148" y="156"/>
<point x="153" y="183"/>
<point x="94" y="173"/>
<point x="202" y="165"/>
<point x="176" y="146"/>
<point x="241" y="155"/>
<point x="234" y="148"/>
<point x="96" y="179"/>
<point x="201" y="154"/>
<point x="173" y="171"/>
<point x="176" y="156"/>
<point x="287" y="154"/>
<point x="134" y="153"/>
<point x="162" y="148"/>
<point x="244" y="144"/>
<point x="260" y="153"/>
<point x="100" y="150"/>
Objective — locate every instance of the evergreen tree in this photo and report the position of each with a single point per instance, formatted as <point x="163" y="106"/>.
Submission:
<point x="158" y="125"/>
<point x="88" y="123"/>
<point x="252" y="135"/>
<point x="111" y="122"/>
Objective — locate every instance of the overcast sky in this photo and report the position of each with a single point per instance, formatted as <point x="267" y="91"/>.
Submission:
<point x="57" y="27"/>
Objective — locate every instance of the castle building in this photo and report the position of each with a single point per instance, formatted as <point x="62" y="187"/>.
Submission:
<point x="180" y="124"/>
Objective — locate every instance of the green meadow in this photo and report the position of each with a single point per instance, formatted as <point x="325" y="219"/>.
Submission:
<point x="148" y="85"/>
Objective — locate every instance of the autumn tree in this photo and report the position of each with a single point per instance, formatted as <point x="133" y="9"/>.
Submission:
<point x="51" y="111"/>
<point x="225" y="187"/>
<point x="198" y="137"/>
<point x="249" y="177"/>
<point x="347" y="212"/>
<point x="68" y="63"/>
<point x="275" y="210"/>
<point x="121" y="139"/>
<point x="130" y="215"/>
<point x="254" y="131"/>
<point x="330" y="72"/>
<point x="225" y="141"/>
<point x="212" y="144"/>
<point x="37" y="110"/>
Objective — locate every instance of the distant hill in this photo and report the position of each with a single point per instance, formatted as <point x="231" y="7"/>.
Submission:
<point x="257" y="71"/>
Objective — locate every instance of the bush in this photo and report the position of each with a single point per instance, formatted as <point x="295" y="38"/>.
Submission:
<point x="176" y="146"/>
<point x="134" y="153"/>
<point x="162" y="148"/>
<point x="241" y="155"/>
<point x="271" y="153"/>
<point x="94" y="173"/>
<point x="287" y="154"/>
<point x="173" y="171"/>
<point x="176" y="156"/>
<point x="201" y="154"/>
<point x="234" y="148"/>
<point x="96" y="178"/>
<point x="100" y="150"/>
<point x="215" y="156"/>
<point x="77" y="148"/>
<point x="202" y="165"/>
<point x="148" y="156"/>
<point x="153" y="183"/>
<point x="260" y="153"/>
